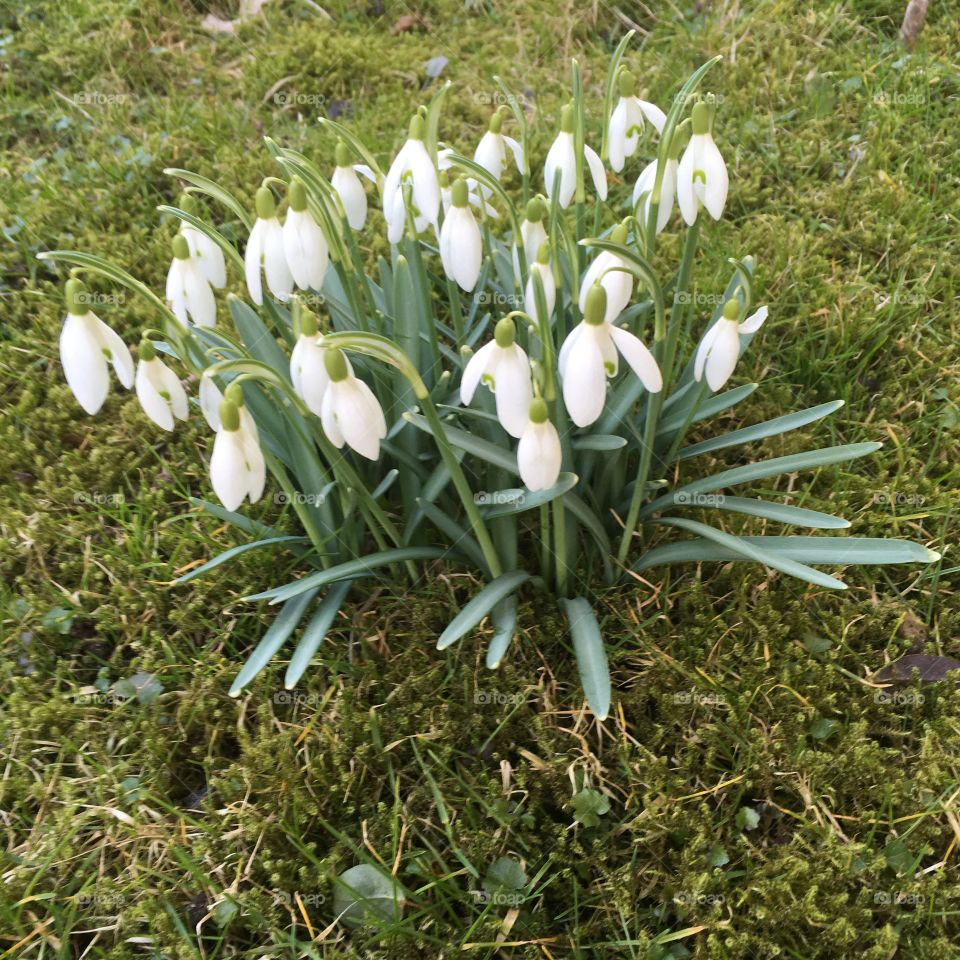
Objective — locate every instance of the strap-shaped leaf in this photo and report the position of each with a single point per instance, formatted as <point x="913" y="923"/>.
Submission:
<point x="504" y="619"/>
<point x="481" y="605"/>
<point x="212" y="189"/>
<point x="258" y="340"/>
<point x="591" y="655"/>
<point x="467" y="441"/>
<point x="520" y="499"/>
<point x="779" y="512"/>
<point x="459" y="538"/>
<point x="750" y="551"/>
<point x="769" y="428"/>
<point x="709" y="408"/>
<point x="238" y="520"/>
<point x="599" y="441"/>
<point x="315" y="632"/>
<point x="281" y="628"/>
<point x="837" y="551"/>
<point x="235" y="552"/>
<point x="808" y="460"/>
<point x="352" y="569"/>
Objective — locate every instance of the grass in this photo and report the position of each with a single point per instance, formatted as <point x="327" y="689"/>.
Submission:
<point x="752" y="794"/>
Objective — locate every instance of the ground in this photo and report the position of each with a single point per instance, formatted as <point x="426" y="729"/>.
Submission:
<point x="752" y="794"/>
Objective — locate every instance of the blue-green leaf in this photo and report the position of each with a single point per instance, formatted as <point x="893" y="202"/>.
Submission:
<point x="481" y="605"/>
<point x="315" y="632"/>
<point x="591" y="655"/>
<point x="504" y="619"/>
<point x="235" y="552"/>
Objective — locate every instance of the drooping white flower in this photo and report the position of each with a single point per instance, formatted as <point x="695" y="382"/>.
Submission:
<point x="308" y="372"/>
<point x="461" y="247"/>
<point x="539" y="455"/>
<point x="491" y="152"/>
<point x="626" y="121"/>
<point x="350" y="413"/>
<point x="237" y="468"/>
<point x="533" y="234"/>
<point x="412" y="162"/>
<point x="589" y="355"/>
<point x="304" y="245"/>
<point x="504" y="367"/>
<point x="719" y="350"/>
<point x="210" y="400"/>
<point x="159" y="389"/>
<point x="206" y="253"/>
<point x="562" y="161"/>
<point x="702" y="175"/>
<point x="87" y="346"/>
<point x="188" y="291"/>
<point x="265" y="250"/>
<point x="349" y="188"/>
<point x="611" y="272"/>
<point x="540" y="268"/>
<point x="643" y="192"/>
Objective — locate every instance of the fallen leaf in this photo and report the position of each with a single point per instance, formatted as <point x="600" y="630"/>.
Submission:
<point x="931" y="669"/>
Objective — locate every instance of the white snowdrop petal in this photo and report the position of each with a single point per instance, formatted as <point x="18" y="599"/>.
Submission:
<point x="228" y="470"/>
<point x="276" y="270"/>
<point x="252" y="260"/>
<point x="640" y="359"/>
<point x="685" y="196"/>
<point x="514" y="392"/>
<point x="585" y="381"/>
<point x="210" y="400"/>
<point x="148" y="393"/>
<point x="724" y="353"/>
<point x="328" y="417"/>
<point x="703" y="351"/>
<point x="352" y="195"/>
<point x="539" y="456"/>
<point x="718" y="183"/>
<point x="83" y="361"/>
<point x="474" y="370"/>
<point x="200" y="299"/>
<point x="755" y="321"/>
<point x="617" y="135"/>
<point x="596" y="171"/>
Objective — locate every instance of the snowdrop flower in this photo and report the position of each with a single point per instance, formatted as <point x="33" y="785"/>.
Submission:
<point x="350" y="413"/>
<point x="562" y="160"/>
<point x="308" y="372"/>
<point x="265" y="249"/>
<point x="611" y="272"/>
<point x="87" y="345"/>
<point x="413" y="163"/>
<point x="719" y="350"/>
<point x="159" y="389"/>
<point x="210" y="400"/>
<point x="540" y="268"/>
<point x="503" y="366"/>
<point x="188" y="291"/>
<point x="304" y="245"/>
<point x="207" y="254"/>
<point x="702" y="176"/>
<point x="461" y="248"/>
<point x="538" y="454"/>
<point x="626" y="121"/>
<point x="533" y="234"/>
<point x="589" y="355"/>
<point x="643" y="192"/>
<point x="491" y="152"/>
<point x="237" y="467"/>
<point x="348" y="186"/>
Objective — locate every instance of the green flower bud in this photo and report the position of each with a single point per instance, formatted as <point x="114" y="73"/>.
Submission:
<point x="180" y="247"/>
<point x="265" y="204"/>
<point x="459" y="194"/>
<point x="596" y="308"/>
<point x="505" y="332"/>
<point x="619" y="233"/>
<point x="341" y="154"/>
<point x="188" y="203"/>
<point x="538" y="411"/>
<point x="336" y="364"/>
<point x="443" y="179"/>
<point x="229" y="416"/>
<point x="700" y="118"/>
<point x="543" y="254"/>
<point x="75" y="293"/>
<point x="234" y="393"/>
<point x="297" y="194"/>
<point x="536" y="210"/>
<point x="147" y="350"/>
<point x="627" y="84"/>
<point x="566" y="119"/>
<point x="681" y="137"/>
<point x="731" y="309"/>
<point x="308" y="323"/>
<point x="417" y="127"/>
<point x="496" y="122"/>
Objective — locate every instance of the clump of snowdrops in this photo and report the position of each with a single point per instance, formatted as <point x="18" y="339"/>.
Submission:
<point x="510" y="391"/>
